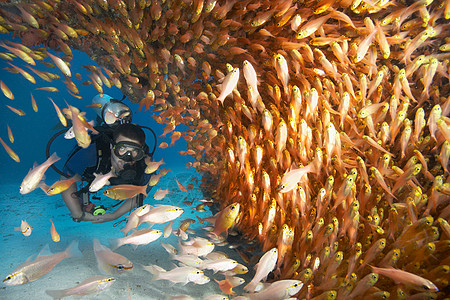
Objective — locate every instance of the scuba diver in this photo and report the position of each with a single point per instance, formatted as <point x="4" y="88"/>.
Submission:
<point x="119" y="152"/>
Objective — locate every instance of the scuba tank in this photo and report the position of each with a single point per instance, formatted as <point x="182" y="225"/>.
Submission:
<point x="111" y="111"/>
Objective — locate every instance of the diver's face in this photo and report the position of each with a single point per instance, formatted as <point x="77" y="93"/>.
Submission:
<point x="116" y="162"/>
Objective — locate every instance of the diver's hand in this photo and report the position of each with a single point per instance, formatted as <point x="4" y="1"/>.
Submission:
<point x="103" y="218"/>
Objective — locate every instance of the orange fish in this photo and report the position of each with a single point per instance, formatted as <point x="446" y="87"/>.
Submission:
<point x="62" y="185"/>
<point x="55" y="235"/>
<point x="160" y="194"/>
<point x="60" y="64"/>
<point x="21" y="54"/>
<point x="61" y="117"/>
<point x="9" y="151"/>
<point x="6" y="91"/>
<point x="48" y="89"/>
<point x="400" y="276"/>
<point x="125" y="191"/>
<point x="225" y="219"/>
<point x="163" y="145"/>
<point x="17" y="111"/>
<point x="181" y="187"/>
<point x="33" y="103"/>
<point x="24" y="73"/>
<point x="10" y="135"/>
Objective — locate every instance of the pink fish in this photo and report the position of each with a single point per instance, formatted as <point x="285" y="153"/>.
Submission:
<point x="178" y="275"/>
<point x="41" y="265"/>
<point x="100" y="181"/>
<point x="160" y="194"/>
<point x="142" y="236"/>
<point x="265" y="265"/>
<point x="292" y="177"/>
<point x="161" y="214"/>
<point x="229" y="84"/>
<point x="400" y="276"/>
<point x="25" y="228"/>
<point x="133" y="218"/>
<point x="152" y="166"/>
<point x="111" y="262"/>
<point x="197" y="246"/>
<point x="281" y="289"/>
<point x="91" y="285"/>
<point x="35" y="175"/>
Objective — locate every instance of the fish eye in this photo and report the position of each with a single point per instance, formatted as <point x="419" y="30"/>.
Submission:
<point x="425" y="287"/>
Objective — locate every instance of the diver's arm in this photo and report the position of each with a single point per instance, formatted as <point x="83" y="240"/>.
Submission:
<point x="72" y="201"/>
<point x="73" y="204"/>
<point x="127" y="206"/>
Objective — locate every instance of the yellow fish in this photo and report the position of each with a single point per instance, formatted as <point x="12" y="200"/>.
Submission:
<point x="226" y="218"/>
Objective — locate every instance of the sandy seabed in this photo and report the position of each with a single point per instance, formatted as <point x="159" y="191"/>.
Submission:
<point x="37" y="209"/>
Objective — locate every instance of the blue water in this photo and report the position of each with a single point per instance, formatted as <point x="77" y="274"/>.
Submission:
<point x="31" y="133"/>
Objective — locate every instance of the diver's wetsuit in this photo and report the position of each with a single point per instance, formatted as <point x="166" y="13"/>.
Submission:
<point x="131" y="174"/>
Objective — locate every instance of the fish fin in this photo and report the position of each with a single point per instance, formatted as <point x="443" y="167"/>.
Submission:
<point x="73" y="250"/>
<point x="114" y="243"/>
<point x="53" y="158"/>
<point x="56" y="294"/>
<point x="43" y="186"/>
<point x="28" y="259"/>
<point x="154" y="270"/>
<point x="45" y="251"/>
<point x="134" y="247"/>
<point x="99" y="247"/>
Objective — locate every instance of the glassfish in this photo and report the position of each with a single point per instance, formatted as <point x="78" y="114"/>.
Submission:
<point x="400" y="276"/>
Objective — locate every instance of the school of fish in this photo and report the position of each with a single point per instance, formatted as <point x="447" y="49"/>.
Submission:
<point x="324" y="122"/>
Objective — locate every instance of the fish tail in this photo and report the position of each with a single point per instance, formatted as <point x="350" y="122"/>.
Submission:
<point x="53" y="158"/>
<point x="73" y="250"/>
<point x="251" y="286"/>
<point x="115" y="243"/>
<point x="44" y="187"/>
<point x="154" y="270"/>
<point x="56" y="294"/>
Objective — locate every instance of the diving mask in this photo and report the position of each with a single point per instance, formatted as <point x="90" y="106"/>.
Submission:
<point x="128" y="151"/>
